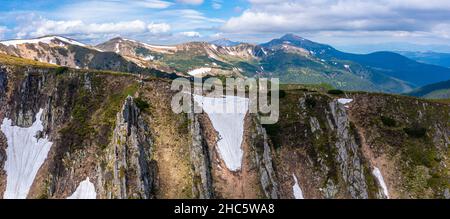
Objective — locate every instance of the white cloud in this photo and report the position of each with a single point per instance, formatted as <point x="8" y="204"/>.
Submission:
<point x="276" y="16"/>
<point x="157" y="4"/>
<point x="158" y="28"/>
<point x="191" y="34"/>
<point x="107" y="10"/>
<point x="191" y="2"/>
<point x="71" y="27"/>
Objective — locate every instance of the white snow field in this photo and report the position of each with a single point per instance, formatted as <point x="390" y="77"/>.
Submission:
<point x="227" y="116"/>
<point x="199" y="71"/>
<point x="86" y="190"/>
<point x="46" y="40"/>
<point x="344" y="101"/>
<point x="25" y="155"/>
<point x="298" y="194"/>
<point x="377" y="173"/>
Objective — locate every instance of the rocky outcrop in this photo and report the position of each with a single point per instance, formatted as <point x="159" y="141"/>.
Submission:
<point x="130" y="172"/>
<point x="348" y="155"/>
<point x="200" y="160"/>
<point x="263" y="158"/>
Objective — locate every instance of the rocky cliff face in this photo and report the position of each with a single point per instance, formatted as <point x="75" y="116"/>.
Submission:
<point x="263" y="157"/>
<point x="348" y="154"/>
<point x="129" y="171"/>
<point x="201" y="163"/>
<point x="119" y="131"/>
<point x="366" y="148"/>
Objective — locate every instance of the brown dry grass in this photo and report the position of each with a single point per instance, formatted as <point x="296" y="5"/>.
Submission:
<point x="171" y="143"/>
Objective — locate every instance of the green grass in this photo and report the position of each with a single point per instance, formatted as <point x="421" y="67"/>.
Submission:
<point x="12" y="60"/>
<point x="388" y="121"/>
<point x="141" y="104"/>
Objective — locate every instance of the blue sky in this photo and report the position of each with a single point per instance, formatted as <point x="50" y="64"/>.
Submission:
<point x="351" y="24"/>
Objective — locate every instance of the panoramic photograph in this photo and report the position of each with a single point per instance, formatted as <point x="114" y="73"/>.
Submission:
<point x="238" y="103"/>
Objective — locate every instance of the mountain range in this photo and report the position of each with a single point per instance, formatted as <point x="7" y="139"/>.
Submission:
<point x="291" y="58"/>
<point x="434" y="58"/>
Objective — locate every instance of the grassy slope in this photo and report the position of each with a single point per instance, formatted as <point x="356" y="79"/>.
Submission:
<point x="439" y="90"/>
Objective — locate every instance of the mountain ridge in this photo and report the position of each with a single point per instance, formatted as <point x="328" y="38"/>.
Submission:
<point x="291" y="58"/>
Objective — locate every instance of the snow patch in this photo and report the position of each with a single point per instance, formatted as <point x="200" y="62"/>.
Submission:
<point x="46" y="40"/>
<point x="162" y="47"/>
<point x="264" y="51"/>
<point x="149" y="58"/>
<point x="377" y="173"/>
<point x="345" y="101"/>
<point x="298" y="194"/>
<point x="227" y="117"/>
<point x="199" y="71"/>
<point x="117" y="48"/>
<point x="85" y="190"/>
<point x="25" y="155"/>
<point x="152" y="46"/>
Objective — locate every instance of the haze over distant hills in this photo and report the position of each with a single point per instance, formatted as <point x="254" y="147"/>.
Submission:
<point x="394" y="46"/>
<point x="435" y="58"/>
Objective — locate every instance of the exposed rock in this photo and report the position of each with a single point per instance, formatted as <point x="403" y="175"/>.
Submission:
<point x="129" y="154"/>
<point x="263" y="156"/>
<point x="315" y="125"/>
<point x="447" y="193"/>
<point x="200" y="159"/>
<point x="348" y="153"/>
<point x="330" y="190"/>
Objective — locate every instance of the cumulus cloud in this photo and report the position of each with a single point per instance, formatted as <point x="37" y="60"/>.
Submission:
<point x="158" y="28"/>
<point x="191" y="2"/>
<point x="269" y="16"/>
<point x="48" y="27"/>
<point x="191" y="34"/>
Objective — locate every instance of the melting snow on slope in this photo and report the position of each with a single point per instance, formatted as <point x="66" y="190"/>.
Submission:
<point x="86" y="190"/>
<point x="377" y="173"/>
<point x="227" y="117"/>
<point x="46" y="40"/>
<point x="345" y="101"/>
<point x="149" y="58"/>
<point x="199" y="71"/>
<point x="25" y="155"/>
<point x="298" y="194"/>
<point x="117" y="48"/>
<point x="264" y="51"/>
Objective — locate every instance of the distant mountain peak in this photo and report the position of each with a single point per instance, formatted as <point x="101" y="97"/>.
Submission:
<point x="225" y="42"/>
<point x="291" y="36"/>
